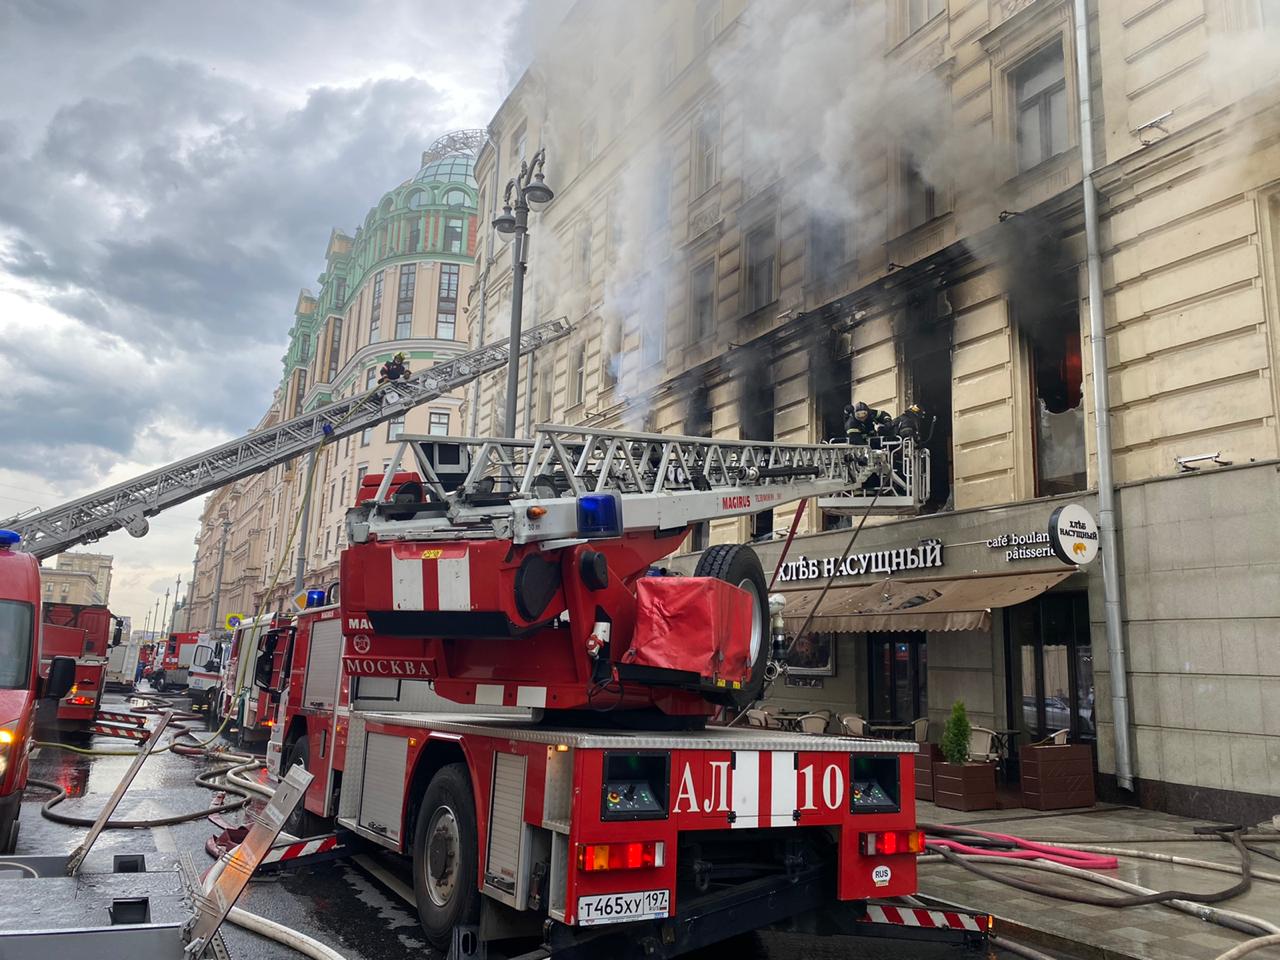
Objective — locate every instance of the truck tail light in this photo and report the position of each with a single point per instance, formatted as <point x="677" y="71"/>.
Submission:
<point x="80" y="701"/>
<point x="893" y="841"/>
<point x="635" y="855"/>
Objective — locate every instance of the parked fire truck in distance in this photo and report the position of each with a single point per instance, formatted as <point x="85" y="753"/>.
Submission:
<point x="244" y="692"/>
<point x="86" y="633"/>
<point x="515" y="574"/>
<point x="21" y="685"/>
<point x="122" y="665"/>
<point x="206" y="671"/>
<point x="172" y="660"/>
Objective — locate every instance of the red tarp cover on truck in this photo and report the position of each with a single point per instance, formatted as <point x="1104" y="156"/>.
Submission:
<point x="696" y="624"/>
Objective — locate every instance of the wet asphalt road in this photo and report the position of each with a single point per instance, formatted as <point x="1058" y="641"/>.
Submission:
<point x="340" y="903"/>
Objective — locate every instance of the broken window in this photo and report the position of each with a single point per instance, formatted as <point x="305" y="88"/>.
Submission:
<point x="1058" y="407"/>
<point x="697" y="423"/>
<point x="831" y="384"/>
<point x="755" y="385"/>
<point x="926" y="348"/>
<point x="611" y="355"/>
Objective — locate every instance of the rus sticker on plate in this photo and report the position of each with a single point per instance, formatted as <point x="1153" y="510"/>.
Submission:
<point x="623" y="907"/>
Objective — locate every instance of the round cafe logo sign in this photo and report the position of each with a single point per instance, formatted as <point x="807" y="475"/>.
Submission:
<point x="1073" y="534"/>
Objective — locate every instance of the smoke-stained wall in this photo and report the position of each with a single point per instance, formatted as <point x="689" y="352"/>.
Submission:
<point x="880" y="161"/>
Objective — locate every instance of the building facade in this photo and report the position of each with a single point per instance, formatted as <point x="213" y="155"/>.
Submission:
<point x="763" y="214"/>
<point x="392" y="286"/>
<point x="81" y="578"/>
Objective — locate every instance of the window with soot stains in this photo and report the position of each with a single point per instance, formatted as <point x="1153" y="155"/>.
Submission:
<point x="1057" y="416"/>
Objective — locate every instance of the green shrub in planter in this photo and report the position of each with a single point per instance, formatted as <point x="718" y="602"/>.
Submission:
<point x="955" y="737"/>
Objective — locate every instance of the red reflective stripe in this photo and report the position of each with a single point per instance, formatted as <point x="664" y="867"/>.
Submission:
<point x="925" y="918"/>
<point x="893" y="915"/>
<point x="954" y="920"/>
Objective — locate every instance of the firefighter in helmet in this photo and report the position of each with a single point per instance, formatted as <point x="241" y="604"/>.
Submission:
<point x="862" y="423"/>
<point x="393" y="369"/>
<point x="915" y="424"/>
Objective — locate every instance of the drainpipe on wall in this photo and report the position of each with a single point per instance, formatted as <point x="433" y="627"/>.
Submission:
<point x="1113" y="611"/>
<point x="474" y="419"/>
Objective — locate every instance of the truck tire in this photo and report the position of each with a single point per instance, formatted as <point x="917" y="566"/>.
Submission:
<point x="739" y="565"/>
<point x="444" y="856"/>
<point x="301" y="822"/>
<point x="215" y="709"/>
<point x="9" y="834"/>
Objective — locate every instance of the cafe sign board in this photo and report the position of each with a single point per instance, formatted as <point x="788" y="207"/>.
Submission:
<point x="1073" y="534"/>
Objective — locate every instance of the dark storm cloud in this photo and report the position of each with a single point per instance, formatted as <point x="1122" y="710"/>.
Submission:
<point x="169" y="186"/>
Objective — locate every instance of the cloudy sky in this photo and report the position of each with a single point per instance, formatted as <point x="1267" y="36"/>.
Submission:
<point x="169" y="175"/>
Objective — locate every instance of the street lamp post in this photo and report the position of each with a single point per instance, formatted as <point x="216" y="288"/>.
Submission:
<point x="526" y="191"/>
<point x="164" y="616"/>
<point x="217" y="577"/>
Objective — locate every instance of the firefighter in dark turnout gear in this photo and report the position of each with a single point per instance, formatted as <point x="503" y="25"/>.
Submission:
<point x="862" y="423"/>
<point x="393" y="369"/>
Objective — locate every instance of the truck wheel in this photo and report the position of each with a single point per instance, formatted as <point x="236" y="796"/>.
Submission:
<point x="9" y="834"/>
<point x="444" y="856"/>
<point x="739" y="565"/>
<point x="301" y="822"/>
<point x="215" y="709"/>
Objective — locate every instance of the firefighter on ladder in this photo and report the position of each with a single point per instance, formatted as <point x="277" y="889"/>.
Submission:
<point x="393" y="369"/>
<point x="863" y="423"/>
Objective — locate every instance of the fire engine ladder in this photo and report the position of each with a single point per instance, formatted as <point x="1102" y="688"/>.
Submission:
<point x="486" y="488"/>
<point x="127" y="505"/>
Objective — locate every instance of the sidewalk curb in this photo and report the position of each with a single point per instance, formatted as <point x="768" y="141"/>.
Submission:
<point x="1037" y="937"/>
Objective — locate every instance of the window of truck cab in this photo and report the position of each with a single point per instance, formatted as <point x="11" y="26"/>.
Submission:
<point x="16" y="620"/>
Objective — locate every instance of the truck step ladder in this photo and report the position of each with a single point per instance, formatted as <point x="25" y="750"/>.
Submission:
<point x="485" y="487"/>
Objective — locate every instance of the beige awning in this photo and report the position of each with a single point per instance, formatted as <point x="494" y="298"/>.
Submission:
<point x="928" y="603"/>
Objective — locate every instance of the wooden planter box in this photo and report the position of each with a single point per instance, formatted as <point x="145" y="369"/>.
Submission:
<point x="964" y="786"/>
<point x="930" y="754"/>
<point x="1057" y="778"/>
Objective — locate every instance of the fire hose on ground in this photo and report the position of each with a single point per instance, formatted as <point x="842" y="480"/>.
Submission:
<point x="229" y="778"/>
<point x="1077" y="861"/>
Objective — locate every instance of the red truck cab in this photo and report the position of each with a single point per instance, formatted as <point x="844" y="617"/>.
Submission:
<point x="20" y="682"/>
<point x="311" y="722"/>
<point x="85" y="633"/>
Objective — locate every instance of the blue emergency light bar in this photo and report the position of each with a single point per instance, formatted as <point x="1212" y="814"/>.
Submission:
<point x="599" y="516"/>
<point x="9" y="537"/>
<point x="315" y="598"/>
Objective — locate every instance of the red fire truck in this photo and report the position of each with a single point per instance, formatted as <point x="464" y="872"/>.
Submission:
<point x="84" y="632"/>
<point x="612" y="816"/>
<point x="21" y="685"/>
<point x="171" y="660"/>
<point x="244" y="691"/>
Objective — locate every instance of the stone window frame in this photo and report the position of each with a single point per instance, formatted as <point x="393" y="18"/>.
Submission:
<point x="1011" y="45"/>
<point x="753" y="226"/>
<point x="701" y="264"/>
<point x="705" y="148"/>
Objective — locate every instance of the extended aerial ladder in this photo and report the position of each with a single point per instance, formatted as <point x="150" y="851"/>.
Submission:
<point x="128" y="505"/>
<point x="545" y="543"/>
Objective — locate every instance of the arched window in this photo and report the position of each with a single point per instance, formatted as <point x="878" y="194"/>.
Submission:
<point x="455" y="198"/>
<point x="417" y="200"/>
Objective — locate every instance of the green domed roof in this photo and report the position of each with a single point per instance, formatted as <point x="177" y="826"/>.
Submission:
<point x="458" y="168"/>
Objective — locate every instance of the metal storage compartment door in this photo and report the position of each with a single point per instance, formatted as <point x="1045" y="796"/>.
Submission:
<point x="382" y="789"/>
<point x="502" y="870"/>
<point x="323" y="661"/>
